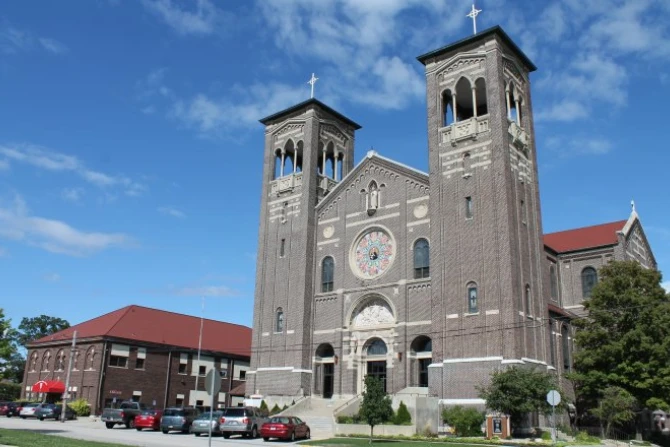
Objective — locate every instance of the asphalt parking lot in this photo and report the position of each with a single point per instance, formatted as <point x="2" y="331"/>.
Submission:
<point x="91" y="430"/>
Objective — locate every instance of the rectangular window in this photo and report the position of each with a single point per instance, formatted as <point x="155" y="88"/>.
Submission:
<point x="118" y="361"/>
<point x="182" y="368"/>
<point x="473" y="307"/>
<point x="468" y="208"/>
<point x="523" y="211"/>
<point x="202" y="370"/>
<point x="179" y="402"/>
<point x="282" y="248"/>
<point x="243" y="375"/>
<point x="139" y="363"/>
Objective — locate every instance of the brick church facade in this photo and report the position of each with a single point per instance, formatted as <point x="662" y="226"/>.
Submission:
<point x="427" y="280"/>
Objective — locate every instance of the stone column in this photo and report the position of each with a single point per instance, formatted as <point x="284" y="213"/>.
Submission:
<point x="453" y="101"/>
<point x="281" y="168"/>
<point x="474" y="101"/>
<point x="517" y="105"/>
<point x="509" y="106"/>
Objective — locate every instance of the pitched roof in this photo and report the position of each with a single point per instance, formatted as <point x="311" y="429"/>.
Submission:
<point x="238" y="390"/>
<point x="480" y="35"/>
<point x="275" y="116"/>
<point x="584" y="238"/>
<point x="161" y="327"/>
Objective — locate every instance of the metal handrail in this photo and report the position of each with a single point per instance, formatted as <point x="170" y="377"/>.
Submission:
<point x="346" y="404"/>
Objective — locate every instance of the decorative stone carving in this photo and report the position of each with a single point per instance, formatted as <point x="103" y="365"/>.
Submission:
<point x="460" y="64"/>
<point x="511" y="69"/>
<point x="373" y="313"/>
<point x="420" y="211"/>
<point x="461" y="130"/>
<point x="328" y="231"/>
<point x="289" y="128"/>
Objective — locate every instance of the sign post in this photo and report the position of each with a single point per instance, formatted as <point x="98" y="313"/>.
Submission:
<point x="553" y="399"/>
<point x="212" y="386"/>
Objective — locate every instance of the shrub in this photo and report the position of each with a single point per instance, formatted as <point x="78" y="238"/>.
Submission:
<point x="81" y="407"/>
<point x="275" y="409"/>
<point x="293" y="402"/>
<point x="10" y="391"/>
<point x="545" y="435"/>
<point x="583" y="436"/>
<point x="465" y="421"/>
<point x="263" y="406"/>
<point x="402" y="416"/>
<point x="345" y="420"/>
<point x="285" y="407"/>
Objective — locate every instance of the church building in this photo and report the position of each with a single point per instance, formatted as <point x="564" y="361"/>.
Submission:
<point x="427" y="280"/>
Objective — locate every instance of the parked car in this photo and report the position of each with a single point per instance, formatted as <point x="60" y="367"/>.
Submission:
<point x="149" y="419"/>
<point x="285" y="427"/>
<point x="201" y="424"/>
<point x="179" y="419"/>
<point x="245" y="421"/>
<point x="53" y="411"/>
<point x="4" y="408"/>
<point x="28" y="410"/>
<point x="15" y="408"/>
<point x="125" y="414"/>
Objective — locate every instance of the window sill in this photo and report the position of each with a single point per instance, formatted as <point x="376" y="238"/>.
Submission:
<point x="278" y="333"/>
<point x="140" y="369"/>
<point x="118" y="367"/>
<point x="182" y="374"/>
<point x="471" y="314"/>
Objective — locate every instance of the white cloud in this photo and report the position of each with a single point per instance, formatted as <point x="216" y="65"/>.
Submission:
<point x="55" y="236"/>
<point x="578" y="146"/>
<point x="173" y="212"/>
<point x="51" y="277"/>
<point x="4" y="165"/>
<point x="208" y="291"/>
<point x="72" y="194"/>
<point x="566" y="110"/>
<point x="201" y="20"/>
<point x="53" y="46"/>
<point x="43" y="158"/>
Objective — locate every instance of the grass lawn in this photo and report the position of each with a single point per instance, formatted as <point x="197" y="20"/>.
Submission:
<point x="24" y="438"/>
<point x="360" y="442"/>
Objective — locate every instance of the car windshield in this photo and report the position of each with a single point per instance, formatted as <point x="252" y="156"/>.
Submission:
<point x="205" y="416"/>
<point x="149" y="412"/>
<point x="235" y="412"/>
<point x="174" y="412"/>
<point x="31" y="405"/>
<point x="48" y="406"/>
<point x="279" y="420"/>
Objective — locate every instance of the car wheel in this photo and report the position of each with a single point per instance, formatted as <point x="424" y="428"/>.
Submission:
<point x="197" y="435"/>
<point x="292" y="436"/>
<point x="266" y="439"/>
<point x="22" y="417"/>
<point x="226" y="435"/>
<point x="308" y="435"/>
<point x="41" y="418"/>
<point x="130" y="423"/>
<point x="254" y="432"/>
<point x="138" y="428"/>
<point x="109" y="425"/>
<point x="165" y="432"/>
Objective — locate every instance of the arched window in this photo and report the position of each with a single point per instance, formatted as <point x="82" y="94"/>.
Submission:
<point x="45" y="361"/>
<point x="33" y="361"/>
<point x="480" y="93"/>
<point x="421" y="259"/>
<point x="589" y="280"/>
<point x="464" y="105"/>
<point x="473" y="304"/>
<point x="288" y="159"/>
<point x="298" y="156"/>
<point x="277" y="169"/>
<point x="60" y="361"/>
<point x="279" y="321"/>
<point x="552" y="343"/>
<point x="447" y="108"/>
<point x="553" y="281"/>
<point x="329" y="162"/>
<point x="529" y="311"/>
<point x="90" y="358"/>
<point x="327" y="274"/>
<point x="565" y="340"/>
<point x="377" y="347"/>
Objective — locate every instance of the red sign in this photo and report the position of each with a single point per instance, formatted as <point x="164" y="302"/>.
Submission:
<point x="115" y="392"/>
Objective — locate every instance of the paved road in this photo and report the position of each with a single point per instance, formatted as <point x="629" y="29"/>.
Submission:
<point x="96" y="431"/>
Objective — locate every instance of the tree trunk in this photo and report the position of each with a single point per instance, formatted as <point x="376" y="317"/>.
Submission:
<point x="372" y="427"/>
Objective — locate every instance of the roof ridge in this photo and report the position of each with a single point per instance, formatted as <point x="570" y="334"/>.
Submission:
<point x="186" y="315"/>
<point x="586" y="227"/>
<point x="121" y="317"/>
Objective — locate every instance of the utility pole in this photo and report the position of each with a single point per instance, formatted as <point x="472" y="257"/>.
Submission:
<point x="66" y="394"/>
<point x="197" y="375"/>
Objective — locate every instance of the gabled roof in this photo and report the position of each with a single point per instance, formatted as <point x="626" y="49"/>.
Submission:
<point x="497" y="30"/>
<point x="313" y="101"/>
<point x="584" y="238"/>
<point x="155" y="326"/>
<point x="373" y="155"/>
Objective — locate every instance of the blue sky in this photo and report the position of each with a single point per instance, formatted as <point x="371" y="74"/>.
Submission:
<point x="130" y="148"/>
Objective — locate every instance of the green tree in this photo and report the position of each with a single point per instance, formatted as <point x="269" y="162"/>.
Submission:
<point x="7" y="347"/>
<point x="31" y="329"/>
<point x="517" y="392"/>
<point x="466" y="421"/>
<point x="14" y="367"/>
<point x="376" y="406"/>
<point x="402" y="416"/>
<point x="616" y="406"/>
<point x="625" y="340"/>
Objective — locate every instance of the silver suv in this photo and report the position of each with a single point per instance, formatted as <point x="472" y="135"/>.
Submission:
<point x="246" y="421"/>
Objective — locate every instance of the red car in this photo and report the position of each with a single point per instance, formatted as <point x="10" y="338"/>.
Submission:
<point x="148" y="419"/>
<point x="4" y="408"/>
<point x="285" y="427"/>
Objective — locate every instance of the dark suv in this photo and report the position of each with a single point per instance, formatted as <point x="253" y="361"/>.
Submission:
<point x="246" y="421"/>
<point x="178" y="419"/>
<point x="14" y="408"/>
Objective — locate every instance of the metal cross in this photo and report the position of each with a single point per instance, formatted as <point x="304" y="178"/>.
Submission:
<point x="312" y="81"/>
<point x="473" y="15"/>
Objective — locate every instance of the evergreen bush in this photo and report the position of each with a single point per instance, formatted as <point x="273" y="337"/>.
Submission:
<point x="275" y="409"/>
<point x="402" y="416"/>
<point x="465" y="421"/>
<point x="80" y="407"/>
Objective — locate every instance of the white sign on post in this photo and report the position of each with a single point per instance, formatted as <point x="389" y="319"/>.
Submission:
<point x="213" y="386"/>
<point x="553" y="398"/>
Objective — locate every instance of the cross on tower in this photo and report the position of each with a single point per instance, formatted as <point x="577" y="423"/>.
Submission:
<point x="312" y="81"/>
<point x="473" y="15"/>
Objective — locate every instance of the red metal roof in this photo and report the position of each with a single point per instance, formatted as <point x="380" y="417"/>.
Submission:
<point x="584" y="238"/>
<point x="161" y="327"/>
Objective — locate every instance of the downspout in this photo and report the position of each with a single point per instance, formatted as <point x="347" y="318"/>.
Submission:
<point x="167" y="379"/>
<point x="102" y="375"/>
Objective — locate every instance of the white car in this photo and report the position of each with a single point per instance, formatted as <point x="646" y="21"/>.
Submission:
<point x="28" y="410"/>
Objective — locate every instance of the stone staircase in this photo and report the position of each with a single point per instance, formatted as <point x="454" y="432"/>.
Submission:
<point x="318" y="413"/>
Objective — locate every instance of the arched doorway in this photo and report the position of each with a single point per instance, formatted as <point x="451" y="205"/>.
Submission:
<point x="325" y="370"/>
<point x="421" y="356"/>
<point x="375" y="356"/>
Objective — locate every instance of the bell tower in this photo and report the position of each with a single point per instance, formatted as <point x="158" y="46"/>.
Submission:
<point x="309" y="148"/>
<point x="487" y="296"/>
